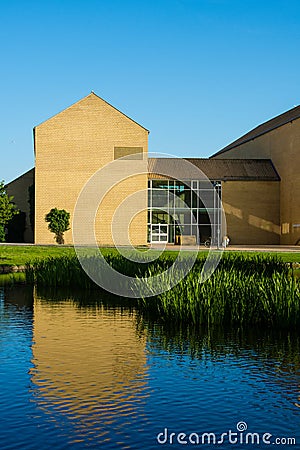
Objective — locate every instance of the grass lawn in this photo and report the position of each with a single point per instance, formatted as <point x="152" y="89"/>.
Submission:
<point x="17" y="255"/>
<point x="21" y="254"/>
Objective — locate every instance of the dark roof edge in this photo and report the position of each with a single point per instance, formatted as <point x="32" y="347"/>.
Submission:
<point x="224" y="176"/>
<point x="20" y="176"/>
<point x="223" y="159"/>
<point x="249" y="178"/>
<point x="241" y="141"/>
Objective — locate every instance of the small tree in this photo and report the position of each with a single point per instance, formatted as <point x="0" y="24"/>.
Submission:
<point x="59" y="222"/>
<point x="7" y="210"/>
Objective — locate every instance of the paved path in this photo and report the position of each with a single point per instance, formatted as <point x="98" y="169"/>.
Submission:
<point x="249" y="248"/>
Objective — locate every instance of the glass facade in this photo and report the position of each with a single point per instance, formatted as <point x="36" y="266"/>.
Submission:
<point x="189" y="208"/>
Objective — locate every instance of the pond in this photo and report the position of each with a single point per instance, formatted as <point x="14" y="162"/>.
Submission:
<point x="85" y="371"/>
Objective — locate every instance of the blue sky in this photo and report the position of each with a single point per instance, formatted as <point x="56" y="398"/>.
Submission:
<point x="196" y="73"/>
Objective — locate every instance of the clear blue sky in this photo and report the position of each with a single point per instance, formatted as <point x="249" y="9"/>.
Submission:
<point x="196" y="73"/>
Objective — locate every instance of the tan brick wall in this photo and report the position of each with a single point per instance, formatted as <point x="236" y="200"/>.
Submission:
<point x="282" y="146"/>
<point x="19" y="189"/>
<point x="70" y="148"/>
<point x="61" y="352"/>
<point x="252" y="212"/>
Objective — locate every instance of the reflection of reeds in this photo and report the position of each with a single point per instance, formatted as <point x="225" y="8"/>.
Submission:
<point x="279" y="346"/>
<point x="243" y="290"/>
<point x="85" y="299"/>
<point x="274" y="352"/>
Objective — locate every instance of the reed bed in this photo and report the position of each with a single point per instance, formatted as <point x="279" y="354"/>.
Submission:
<point x="260" y="291"/>
<point x="252" y="290"/>
<point x="66" y="271"/>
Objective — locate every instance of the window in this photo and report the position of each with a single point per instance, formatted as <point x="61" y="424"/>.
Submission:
<point x="128" y="152"/>
<point x="176" y="198"/>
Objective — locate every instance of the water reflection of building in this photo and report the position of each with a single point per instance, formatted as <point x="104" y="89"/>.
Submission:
<point x="89" y="364"/>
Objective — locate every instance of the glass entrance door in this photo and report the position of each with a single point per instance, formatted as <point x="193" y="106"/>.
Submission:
<point x="159" y="233"/>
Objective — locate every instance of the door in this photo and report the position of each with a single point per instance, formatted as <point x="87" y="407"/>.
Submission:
<point x="159" y="232"/>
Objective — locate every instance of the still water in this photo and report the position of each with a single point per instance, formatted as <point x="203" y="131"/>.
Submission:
<point x="82" y="372"/>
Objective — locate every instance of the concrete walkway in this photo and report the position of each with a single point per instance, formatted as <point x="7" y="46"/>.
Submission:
<point x="262" y="248"/>
<point x="250" y="248"/>
<point x="236" y="248"/>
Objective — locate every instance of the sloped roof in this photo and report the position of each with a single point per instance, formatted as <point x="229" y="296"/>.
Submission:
<point x="214" y="169"/>
<point x="264" y="128"/>
<point x="30" y="173"/>
<point x="100" y="98"/>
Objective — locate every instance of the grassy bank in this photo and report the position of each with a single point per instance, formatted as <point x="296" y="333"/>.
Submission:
<point x="10" y="279"/>
<point x="16" y="255"/>
<point x="256" y="290"/>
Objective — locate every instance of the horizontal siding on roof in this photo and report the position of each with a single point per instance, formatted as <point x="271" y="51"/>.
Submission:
<point x="214" y="169"/>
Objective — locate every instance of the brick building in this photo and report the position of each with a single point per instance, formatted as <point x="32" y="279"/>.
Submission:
<point x="157" y="199"/>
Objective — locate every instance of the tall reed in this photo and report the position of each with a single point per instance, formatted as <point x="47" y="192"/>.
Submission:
<point x="252" y="290"/>
<point x="242" y="291"/>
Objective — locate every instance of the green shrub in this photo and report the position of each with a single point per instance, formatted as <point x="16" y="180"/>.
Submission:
<point x="7" y="210"/>
<point x="59" y="222"/>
